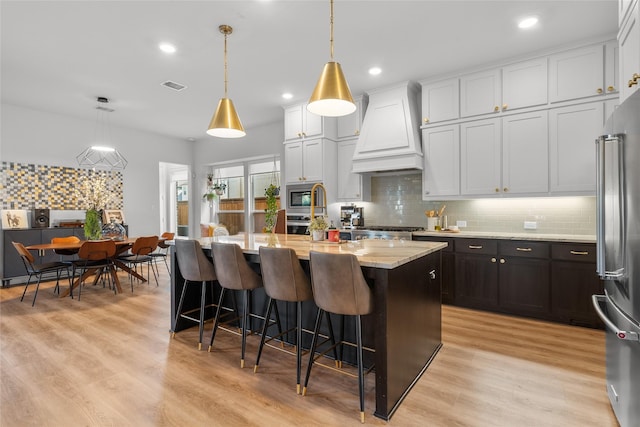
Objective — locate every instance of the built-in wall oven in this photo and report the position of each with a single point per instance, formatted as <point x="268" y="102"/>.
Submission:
<point x="299" y="208"/>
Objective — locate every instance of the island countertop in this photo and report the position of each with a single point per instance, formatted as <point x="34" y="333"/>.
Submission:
<point x="386" y="254"/>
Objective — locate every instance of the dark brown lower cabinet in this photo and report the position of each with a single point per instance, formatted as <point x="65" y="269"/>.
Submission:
<point x="523" y="278"/>
<point x="545" y="280"/>
<point x="573" y="281"/>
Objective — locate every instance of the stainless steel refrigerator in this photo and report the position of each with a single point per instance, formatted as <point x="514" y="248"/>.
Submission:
<point x="618" y="243"/>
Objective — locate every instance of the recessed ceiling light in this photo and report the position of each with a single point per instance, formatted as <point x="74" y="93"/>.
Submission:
<point x="528" y="22"/>
<point x="287" y="95"/>
<point x="374" y="71"/>
<point x="167" y="48"/>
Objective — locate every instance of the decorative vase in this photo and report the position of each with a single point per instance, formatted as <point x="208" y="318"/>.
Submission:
<point x="272" y="240"/>
<point x="93" y="225"/>
<point x="113" y="231"/>
<point x="317" y="234"/>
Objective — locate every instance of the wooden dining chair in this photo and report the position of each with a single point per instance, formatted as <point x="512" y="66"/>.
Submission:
<point x="65" y="254"/>
<point x="140" y="254"/>
<point x="38" y="270"/>
<point x="163" y="249"/>
<point x="96" y="256"/>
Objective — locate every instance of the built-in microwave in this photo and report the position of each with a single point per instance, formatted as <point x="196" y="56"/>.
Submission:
<point x="299" y="199"/>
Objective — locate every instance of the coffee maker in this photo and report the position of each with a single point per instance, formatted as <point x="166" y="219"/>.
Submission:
<point x="351" y="216"/>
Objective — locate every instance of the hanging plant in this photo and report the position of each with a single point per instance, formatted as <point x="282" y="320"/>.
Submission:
<point x="271" y="212"/>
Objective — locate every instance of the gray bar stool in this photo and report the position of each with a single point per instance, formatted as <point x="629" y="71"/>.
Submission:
<point x="195" y="267"/>
<point x="233" y="273"/>
<point x="284" y="280"/>
<point x="339" y="287"/>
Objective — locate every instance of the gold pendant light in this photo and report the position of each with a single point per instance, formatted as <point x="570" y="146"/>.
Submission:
<point x="332" y="96"/>
<point x="225" y="122"/>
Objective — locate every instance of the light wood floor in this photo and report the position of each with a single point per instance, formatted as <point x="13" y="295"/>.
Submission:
<point x="108" y="360"/>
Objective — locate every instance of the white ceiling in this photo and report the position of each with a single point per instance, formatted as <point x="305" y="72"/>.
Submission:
<point x="58" y="56"/>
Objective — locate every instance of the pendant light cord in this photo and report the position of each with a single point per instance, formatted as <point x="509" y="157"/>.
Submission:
<point x="331" y="30"/>
<point x="225" y="65"/>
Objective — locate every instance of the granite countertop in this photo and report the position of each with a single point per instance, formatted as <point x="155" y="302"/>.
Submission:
<point x="575" y="238"/>
<point x="386" y="254"/>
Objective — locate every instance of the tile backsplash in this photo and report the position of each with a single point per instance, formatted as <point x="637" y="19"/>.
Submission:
<point x="397" y="200"/>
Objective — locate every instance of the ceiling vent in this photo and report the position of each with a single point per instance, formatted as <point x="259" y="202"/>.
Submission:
<point x="173" y="85"/>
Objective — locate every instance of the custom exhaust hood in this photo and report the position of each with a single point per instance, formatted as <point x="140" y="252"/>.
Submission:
<point x="390" y="135"/>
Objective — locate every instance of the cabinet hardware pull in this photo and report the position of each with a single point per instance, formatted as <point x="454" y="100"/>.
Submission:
<point x="599" y="90"/>
<point x="502" y="261"/>
<point x="579" y="253"/>
<point x="505" y="189"/>
<point x="524" y="249"/>
<point x="504" y="106"/>
<point x="611" y="88"/>
<point x="632" y="83"/>
<point x="493" y="260"/>
<point x="496" y="108"/>
<point x="432" y="274"/>
<point x="475" y="246"/>
<point x="426" y="119"/>
<point x="497" y="190"/>
<point x="357" y="132"/>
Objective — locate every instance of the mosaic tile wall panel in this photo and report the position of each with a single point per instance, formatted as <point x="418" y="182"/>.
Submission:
<point x="24" y="186"/>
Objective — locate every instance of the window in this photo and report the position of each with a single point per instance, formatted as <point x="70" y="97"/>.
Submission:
<point x="240" y="205"/>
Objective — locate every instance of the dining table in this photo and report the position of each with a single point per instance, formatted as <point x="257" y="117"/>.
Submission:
<point x="121" y="246"/>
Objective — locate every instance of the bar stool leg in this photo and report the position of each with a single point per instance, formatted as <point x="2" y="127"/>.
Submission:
<point x="360" y="367"/>
<point x="203" y="298"/>
<point x="332" y="339"/>
<point x="264" y="333"/>
<point x="312" y="351"/>
<point x="298" y="344"/>
<point x="216" y="321"/>
<point x="175" y="320"/>
<point x="245" y="319"/>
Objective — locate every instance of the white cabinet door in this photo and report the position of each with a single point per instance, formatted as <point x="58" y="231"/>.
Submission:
<point x="525" y="153"/>
<point x="577" y="73"/>
<point x="293" y="123"/>
<point x="480" y="93"/>
<point x="629" y="41"/>
<point x="524" y="84"/>
<point x="311" y="123"/>
<point x="312" y="160"/>
<point x="293" y="162"/>
<point x="572" y="162"/>
<point x="440" y="101"/>
<point x="441" y="168"/>
<point x="480" y="165"/>
<point x="299" y="123"/>
<point x="349" y="126"/>
<point x="611" y="61"/>
<point x="349" y="184"/>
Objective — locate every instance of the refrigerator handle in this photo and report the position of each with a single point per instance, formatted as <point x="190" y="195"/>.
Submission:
<point x="610" y="210"/>
<point x="623" y="335"/>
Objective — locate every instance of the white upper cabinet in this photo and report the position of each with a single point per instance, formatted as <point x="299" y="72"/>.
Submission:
<point x="577" y="73"/>
<point x="524" y="84"/>
<point x="349" y="126"/>
<point x="480" y="93"/>
<point x="572" y="154"/>
<point x="525" y="153"/>
<point x="304" y="161"/>
<point x="441" y="171"/>
<point x="351" y="186"/>
<point x="629" y="41"/>
<point x="624" y="6"/>
<point x="299" y="123"/>
<point x="480" y="165"/>
<point x="440" y="101"/>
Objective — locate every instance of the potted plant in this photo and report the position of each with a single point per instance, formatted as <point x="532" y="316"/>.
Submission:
<point x="318" y="226"/>
<point x="271" y="212"/>
<point x="219" y="188"/>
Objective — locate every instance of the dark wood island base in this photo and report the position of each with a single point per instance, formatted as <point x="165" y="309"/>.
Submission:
<point x="405" y="327"/>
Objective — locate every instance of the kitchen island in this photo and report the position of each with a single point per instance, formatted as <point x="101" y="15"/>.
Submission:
<point x="405" y="327"/>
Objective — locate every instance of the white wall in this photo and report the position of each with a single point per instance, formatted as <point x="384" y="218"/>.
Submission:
<point x="37" y="137"/>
